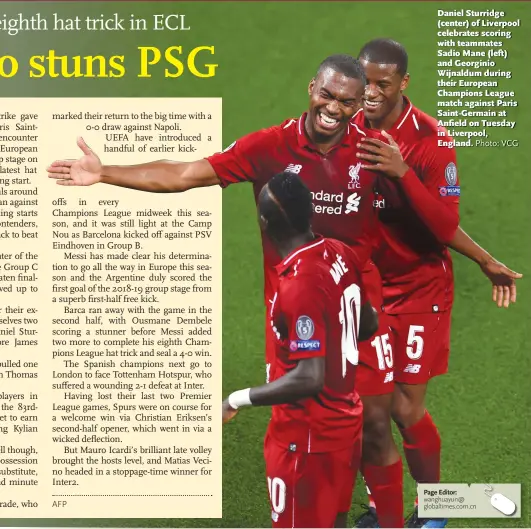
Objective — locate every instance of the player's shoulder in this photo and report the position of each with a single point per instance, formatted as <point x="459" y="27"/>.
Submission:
<point x="273" y="134"/>
<point x="283" y="130"/>
<point x="334" y="246"/>
<point x="312" y="270"/>
<point x="427" y="124"/>
<point x="341" y="255"/>
<point x="330" y="250"/>
<point x="305" y="267"/>
<point x="428" y="129"/>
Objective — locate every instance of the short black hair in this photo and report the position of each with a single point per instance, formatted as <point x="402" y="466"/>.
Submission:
<point x="385" y="51"/>
<point x="291" y="209"/>
<point x="345" y="64"/>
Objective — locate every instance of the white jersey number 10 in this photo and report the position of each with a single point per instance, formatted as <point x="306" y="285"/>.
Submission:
<point x="349" y="317"/>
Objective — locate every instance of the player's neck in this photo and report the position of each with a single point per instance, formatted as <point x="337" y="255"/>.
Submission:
<point x="285" y="247"/>
<point x="388" y="121"/>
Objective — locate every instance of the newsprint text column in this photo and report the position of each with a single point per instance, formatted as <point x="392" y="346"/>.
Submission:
<point x="110" y="316"/>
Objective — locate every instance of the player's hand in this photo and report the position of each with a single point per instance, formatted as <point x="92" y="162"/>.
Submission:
<point x="228" y="411"/>
<point x="503" y="282"/>
<point x="83" y="172"/>
<point x="384" y="157"/>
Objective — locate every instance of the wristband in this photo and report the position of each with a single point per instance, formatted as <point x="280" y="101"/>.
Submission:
<point x="240" y="398"/>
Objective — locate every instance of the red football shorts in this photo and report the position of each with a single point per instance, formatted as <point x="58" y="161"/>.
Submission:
<point x="421" y="345"/>
<point x="310" y="490"/>
<point x="374" y="374"/>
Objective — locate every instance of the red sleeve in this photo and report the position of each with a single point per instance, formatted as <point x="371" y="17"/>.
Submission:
<point x="241" y="161"/>
<point x="434" y="193"/>
<point x="304" y="309"/>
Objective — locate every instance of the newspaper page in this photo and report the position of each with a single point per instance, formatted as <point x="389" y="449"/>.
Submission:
<point x="311" y="215"/>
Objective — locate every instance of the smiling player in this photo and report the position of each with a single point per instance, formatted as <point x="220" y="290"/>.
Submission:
<point x="419" y="219"/>
<point x="319" y="146"/>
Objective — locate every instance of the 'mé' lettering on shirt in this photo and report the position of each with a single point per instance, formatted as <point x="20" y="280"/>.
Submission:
<point x="338" y="269"/>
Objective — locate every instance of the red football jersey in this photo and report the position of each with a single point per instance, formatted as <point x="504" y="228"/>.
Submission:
<point x="416" y="269"/>
<point x="342" y="192"/>
<point x="316" y="312"/>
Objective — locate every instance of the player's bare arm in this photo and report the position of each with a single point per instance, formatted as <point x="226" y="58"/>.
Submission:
<point x="368" y="322"/>
<point x="306" y="380"/>
<point x="503" y="279"/>
<point x="163" y="176"/>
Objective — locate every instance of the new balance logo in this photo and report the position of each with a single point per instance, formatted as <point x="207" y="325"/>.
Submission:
<point x="412" y="368"/>
<point x="353" y="203"/>
<point x="388" y="377"/>
<point x="292" y="168"/>
<point x="353" y="172"/>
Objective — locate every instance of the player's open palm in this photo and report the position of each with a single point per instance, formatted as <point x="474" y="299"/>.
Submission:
<point x="82" y="172"/>
<point x="503" y="281"/>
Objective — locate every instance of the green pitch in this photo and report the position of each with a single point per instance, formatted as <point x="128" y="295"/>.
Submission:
<point x="267" y="54"/>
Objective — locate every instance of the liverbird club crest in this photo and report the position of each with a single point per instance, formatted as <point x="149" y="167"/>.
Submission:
<point x="353" y="172"/>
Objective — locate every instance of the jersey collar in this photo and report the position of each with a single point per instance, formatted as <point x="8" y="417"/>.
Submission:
<point x="293" y="258"/>
<point x="397" y="125"/>
<point x="305" y="142"/>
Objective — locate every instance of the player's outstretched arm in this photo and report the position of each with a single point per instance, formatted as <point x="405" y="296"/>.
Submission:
<point x="163" y="176"/>
<point x="368" y="322"/>
<point x="503" y="279"/>
<point x="306" y="380"/>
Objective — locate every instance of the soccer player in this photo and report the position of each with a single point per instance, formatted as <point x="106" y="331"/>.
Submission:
<point x="319" y="146"/>
<point x="319" y="312"/>
<point x="418" y="210"/>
